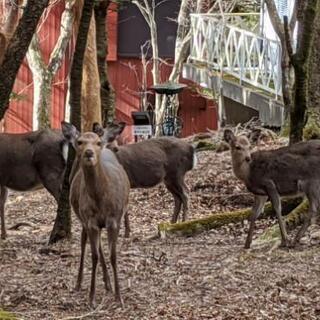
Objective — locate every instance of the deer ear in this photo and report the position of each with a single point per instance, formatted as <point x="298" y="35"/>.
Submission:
<point x="228" y="136"/>
<point x="97" y="128"/>
<point x="70" y="132"/>
<point x="114" y="130"/>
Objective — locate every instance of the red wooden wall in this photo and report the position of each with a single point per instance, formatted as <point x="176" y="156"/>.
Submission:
<point x="197" y="114"/>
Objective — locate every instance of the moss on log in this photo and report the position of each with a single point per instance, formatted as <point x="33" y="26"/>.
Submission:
<point x="217" y="220"/>
<point x="292" y="220"/>
<point x="204" y="145"/>
<point x="4" y="315"/>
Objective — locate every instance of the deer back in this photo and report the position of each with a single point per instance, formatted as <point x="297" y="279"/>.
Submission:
<point x="148" y="162"/>
<point x="286" y="166"/>
<point x="24" y="156"/>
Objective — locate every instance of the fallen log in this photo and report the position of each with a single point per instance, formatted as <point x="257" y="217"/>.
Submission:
<point x="217" y="220"/>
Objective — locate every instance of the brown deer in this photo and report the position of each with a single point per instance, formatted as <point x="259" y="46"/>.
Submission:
<point x="286" y="171"/>
<point x="150" y="162"/>
<point x="99" y="196"/>
<point x="31" y="161"/>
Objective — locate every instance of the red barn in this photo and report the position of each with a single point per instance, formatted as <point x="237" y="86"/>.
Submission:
<point x="127" y="31"/>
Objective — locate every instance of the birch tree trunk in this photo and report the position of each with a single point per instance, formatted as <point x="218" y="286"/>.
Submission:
<point x="43" y="74"/>
<point x="148" y="12"/>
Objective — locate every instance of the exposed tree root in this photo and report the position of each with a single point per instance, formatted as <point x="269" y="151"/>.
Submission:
<point x="217" y="220"/>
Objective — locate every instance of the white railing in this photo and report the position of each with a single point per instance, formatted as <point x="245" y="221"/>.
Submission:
<point x="232" y="50"/>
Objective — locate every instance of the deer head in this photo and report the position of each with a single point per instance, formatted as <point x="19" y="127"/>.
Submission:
<point x="87" y="145"/>
<point x="110" y="133"/>
<point x="240" y="146"/>
<point x="240" y="153"/>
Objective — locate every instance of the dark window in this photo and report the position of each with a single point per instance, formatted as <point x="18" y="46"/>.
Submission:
<point x="133" y="31"/>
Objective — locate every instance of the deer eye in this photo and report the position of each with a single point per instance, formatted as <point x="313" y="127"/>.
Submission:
<point x="238" y="147"/>
<point x="99" y="143"/>
<point x="79" y="143"/>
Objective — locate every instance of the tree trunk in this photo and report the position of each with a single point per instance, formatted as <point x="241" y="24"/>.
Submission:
<point x="312" y="128"/>
<point x="301" y="64"/>
<point x="43" y="74"/>
<point x="62" y="226"/>
<point x="107" y="93"/>
<point x="42" y="84"/>
<point x="17" y="48"/>
<point x="90" y="92"/>
<point x="286" y="67"/>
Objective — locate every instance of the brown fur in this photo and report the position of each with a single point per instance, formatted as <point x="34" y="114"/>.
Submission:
<point x="150" y="162"/>
<point x="286" y="171"/>
<point x="30" y="161"/>
<point x="99" y="196"/>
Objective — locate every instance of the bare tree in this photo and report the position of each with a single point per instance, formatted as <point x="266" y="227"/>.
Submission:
<point x="62" y="225"/>
<point x="295" y="63"/>
<point x="17" y="48"/>
<point x="43" y="74"/>
<point x="147" y="9"/>
<point x="106" y="90"/>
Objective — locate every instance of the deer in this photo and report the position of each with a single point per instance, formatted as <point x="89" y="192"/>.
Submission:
<point x="31" y="161"/>
<point x="287" y="171"/>
<point x="99" y="197"/>
<point x="150" y="162"/>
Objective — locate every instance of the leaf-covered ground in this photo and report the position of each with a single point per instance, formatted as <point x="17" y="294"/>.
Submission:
<point x="209" y="276"/>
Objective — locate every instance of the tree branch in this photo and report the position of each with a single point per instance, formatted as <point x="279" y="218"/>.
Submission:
<point x="287" y="36"/>
<point x="59" y="50"/>
<point x="17" y="49"/>
<point x="275" y="19"/>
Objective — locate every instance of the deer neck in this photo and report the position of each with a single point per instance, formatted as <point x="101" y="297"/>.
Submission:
<point x="95" y="181"/>
<point x="241" y="169"/>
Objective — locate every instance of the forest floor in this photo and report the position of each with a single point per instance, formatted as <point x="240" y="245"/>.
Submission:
<point x="208" y="276"/>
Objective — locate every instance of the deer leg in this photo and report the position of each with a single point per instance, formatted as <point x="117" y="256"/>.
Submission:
<point x="52" y="182"/>
<point x="276" y="203"/>
<point x="257" y="209"/>
<point x="3" y="198"/>
<point x="94" y="236"/>
<point x="106" y="278"/>
<point x="127" y="229"/>
<point x="312" y="196"/>
<point x="304" y="227"/>
<point x="113" y="232"/>
<point x="83" y="251"/>
<point x="180" y="199"/>
<point x="185" y="202"/>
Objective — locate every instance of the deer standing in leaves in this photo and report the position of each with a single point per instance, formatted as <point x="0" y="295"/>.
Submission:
<point x="99" y="196"/>
<point x="287" y="171"/>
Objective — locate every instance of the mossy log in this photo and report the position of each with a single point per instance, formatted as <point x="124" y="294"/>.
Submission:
<point x="217" y="220"/>
<point x="292" y="220"/>
<point x="4" y="315"/>
<point x="204" y="145"/>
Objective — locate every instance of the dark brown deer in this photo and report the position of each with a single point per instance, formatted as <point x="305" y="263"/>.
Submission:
<point x="99" y="196"/>
<point x="150" y="162"/>
<point x="286" y="171"/>
<point x="31" y="161"/>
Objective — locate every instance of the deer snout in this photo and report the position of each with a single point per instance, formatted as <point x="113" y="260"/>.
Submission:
<point x="89" y="153"/>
